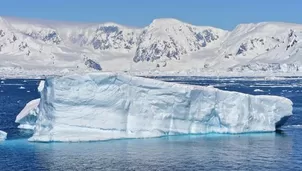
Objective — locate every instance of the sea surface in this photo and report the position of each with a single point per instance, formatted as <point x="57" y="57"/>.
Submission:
<point x="281" y="150"/>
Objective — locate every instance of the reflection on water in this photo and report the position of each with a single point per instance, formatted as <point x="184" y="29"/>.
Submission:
<point x="244" y="151"/>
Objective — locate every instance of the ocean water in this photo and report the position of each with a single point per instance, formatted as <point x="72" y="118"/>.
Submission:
<point x="281" y="150"/>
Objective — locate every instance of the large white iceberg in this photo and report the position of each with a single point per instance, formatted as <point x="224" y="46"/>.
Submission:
<point x="3" y="135"/>
<point x="102" y="106"/>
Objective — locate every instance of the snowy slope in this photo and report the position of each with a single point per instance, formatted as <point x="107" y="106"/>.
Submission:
<point x="166" y="45"/>
<point x="270" y="46"/>
<point x="170" y="38"/>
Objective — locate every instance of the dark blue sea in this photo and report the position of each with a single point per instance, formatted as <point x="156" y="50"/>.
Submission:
<point x="281" y="150"/>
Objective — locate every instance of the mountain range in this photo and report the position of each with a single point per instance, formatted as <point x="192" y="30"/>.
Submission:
<point x="164" y="45"/>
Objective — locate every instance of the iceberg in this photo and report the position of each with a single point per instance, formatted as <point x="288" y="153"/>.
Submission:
<point x="3" y="135"/>
<point x="28" y="115"/>
<point x="21" y="88"/>
<point x="258" y="90"/>
<point x="105" y="106"/>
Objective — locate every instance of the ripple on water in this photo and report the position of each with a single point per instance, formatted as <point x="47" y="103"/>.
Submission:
<point x="269" y="151"/>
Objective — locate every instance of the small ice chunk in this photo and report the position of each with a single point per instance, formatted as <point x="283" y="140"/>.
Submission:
<point x="3" y="135"/>
<point x="21" y="88"/>
<point x="258" y="90"/>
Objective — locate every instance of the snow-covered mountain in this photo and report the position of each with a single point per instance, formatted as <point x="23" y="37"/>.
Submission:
<point x="265" y="46"/>
<point x="170" y="38"/>
<point x="165" y="45"/>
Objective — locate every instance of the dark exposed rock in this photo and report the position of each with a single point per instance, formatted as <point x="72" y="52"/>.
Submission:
<point x="241" y="49"/>
<point x="170" y="48"/>
<point x="2" y="33"/>
<point x="92" y="64"/>
<point x="51" y="37"/>
<point x="23" y="46"/>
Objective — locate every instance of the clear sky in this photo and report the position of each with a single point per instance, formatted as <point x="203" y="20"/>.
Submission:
<point x="224" y="14"/>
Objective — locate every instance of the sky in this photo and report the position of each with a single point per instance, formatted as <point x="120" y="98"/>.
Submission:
<point x="225" y="14"/>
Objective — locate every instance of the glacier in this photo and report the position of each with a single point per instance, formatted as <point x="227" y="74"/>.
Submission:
<point x="3" y="135"/>
<point x="105" y="106"/>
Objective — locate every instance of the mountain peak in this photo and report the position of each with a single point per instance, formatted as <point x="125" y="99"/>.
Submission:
<point x="166" y="44"/>
<point x="166" y="22"/>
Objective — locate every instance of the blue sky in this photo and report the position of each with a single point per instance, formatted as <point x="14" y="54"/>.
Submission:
<point x="224" y="14"/>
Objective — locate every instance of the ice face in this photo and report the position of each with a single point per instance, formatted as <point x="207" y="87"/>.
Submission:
<point x="41" y="85"/>
<point x="28" y="115"/>
<point x="2" y="135"/>
<point x="102" y="106"/>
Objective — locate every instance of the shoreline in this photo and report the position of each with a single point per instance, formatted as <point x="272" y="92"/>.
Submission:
<point x="39" y="74"/>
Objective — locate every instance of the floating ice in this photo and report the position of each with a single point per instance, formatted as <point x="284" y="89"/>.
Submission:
<point x="292" y="126"/>
<point x="21" y="88"/>
<point x="102" y="106"/>
<point x="3" y="135"/>
<point x="258" y="90"/>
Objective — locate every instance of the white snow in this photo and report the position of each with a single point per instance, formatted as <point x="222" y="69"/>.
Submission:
<point x="165" y="47"/>
<point x="103" y="106"/>
<point x="3" y="135"/>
